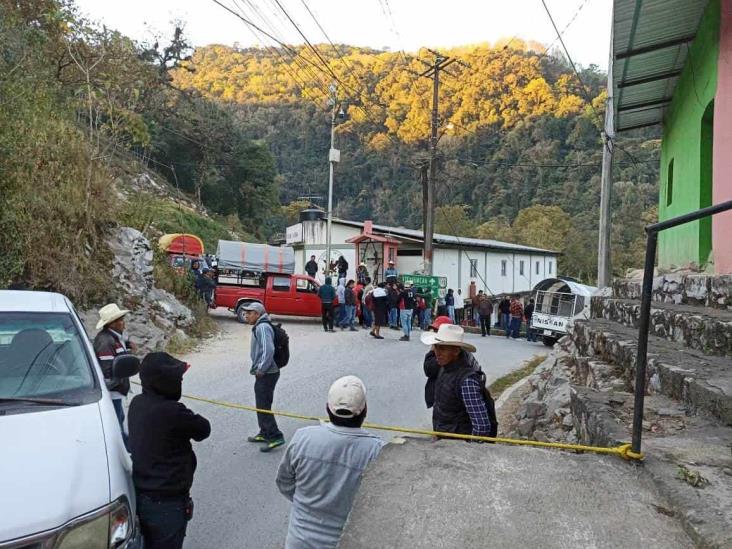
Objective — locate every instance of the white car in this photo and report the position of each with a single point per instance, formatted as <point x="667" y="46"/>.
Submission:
<point x="65" y="476"/>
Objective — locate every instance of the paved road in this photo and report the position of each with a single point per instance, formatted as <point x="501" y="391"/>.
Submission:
<point x="237" y="503"/>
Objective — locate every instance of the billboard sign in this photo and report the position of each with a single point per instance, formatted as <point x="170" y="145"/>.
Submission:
<point x="293" y="234"/>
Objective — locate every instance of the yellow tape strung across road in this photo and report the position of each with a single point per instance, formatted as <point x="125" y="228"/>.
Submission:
<point x="624" y="450"/>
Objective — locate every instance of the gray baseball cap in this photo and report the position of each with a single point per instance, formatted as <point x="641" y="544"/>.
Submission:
<point x="256" y="307"/>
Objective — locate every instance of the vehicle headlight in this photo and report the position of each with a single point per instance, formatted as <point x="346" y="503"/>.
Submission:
<point x="107" y="528"/>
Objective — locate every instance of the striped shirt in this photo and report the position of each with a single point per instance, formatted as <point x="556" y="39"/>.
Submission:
<point x="475" y="405"/>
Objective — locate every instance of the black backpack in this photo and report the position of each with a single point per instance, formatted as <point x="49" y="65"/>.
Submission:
<point x="281" y="344"/>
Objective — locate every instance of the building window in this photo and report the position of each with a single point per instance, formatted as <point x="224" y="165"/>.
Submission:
<point x="537" y="267"/>
<point x="550" y="267"/>
<point x="670" y="183"/>
<point x="503" y="267"/>
<point x="521" y="268"/>
<point x="473" y="268"/>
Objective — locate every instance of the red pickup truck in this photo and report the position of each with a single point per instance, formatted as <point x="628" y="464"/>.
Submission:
<point x="281" y="294"/>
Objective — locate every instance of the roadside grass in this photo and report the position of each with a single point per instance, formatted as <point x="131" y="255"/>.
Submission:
<point x="504" y="382"/>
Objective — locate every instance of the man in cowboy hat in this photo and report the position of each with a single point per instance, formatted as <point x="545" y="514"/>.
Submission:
<point x="391" y="274"/>
<point x="110" y="342"/>
<point x="322" y="468"/>
<point x="362" y="273"/>
<point x="455" y="386"/>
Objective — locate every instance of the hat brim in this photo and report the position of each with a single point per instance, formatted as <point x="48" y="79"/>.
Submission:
<point x="430" y="338"/>
<point x="116" y="316"/>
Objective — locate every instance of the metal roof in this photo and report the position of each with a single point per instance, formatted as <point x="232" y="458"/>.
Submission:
<point x="650" y="42"/>
<point x="449" y="240"/>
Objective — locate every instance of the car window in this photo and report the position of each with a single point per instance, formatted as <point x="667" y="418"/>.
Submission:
<point x="305" y="286"/>
<point x="281" y="283"/>
<point x="42" y="355"/>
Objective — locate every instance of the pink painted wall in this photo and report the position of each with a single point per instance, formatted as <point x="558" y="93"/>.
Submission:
<point x="722" y="187"/>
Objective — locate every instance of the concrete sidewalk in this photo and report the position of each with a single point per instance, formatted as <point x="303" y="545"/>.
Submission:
<point x="457" y="495"/>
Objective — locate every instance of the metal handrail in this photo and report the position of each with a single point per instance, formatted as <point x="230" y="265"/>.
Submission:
<point x="645" y="315"/>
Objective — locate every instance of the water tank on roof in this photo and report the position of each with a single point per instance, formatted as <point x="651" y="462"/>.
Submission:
<point x="312" y="214"/>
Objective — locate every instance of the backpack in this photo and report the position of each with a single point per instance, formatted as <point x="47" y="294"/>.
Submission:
<point x="281" y="344"/>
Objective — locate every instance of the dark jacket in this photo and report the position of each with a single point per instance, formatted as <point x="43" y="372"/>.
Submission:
<point x="107" y="346"/>
<point x="311" y="267"/>
<point x="161" y="429"/>
<point x="443" y="392"/>
<point x="450" y="300"/>
<point x="393" y="296"/>
<point x="409" y="297"/>
<point x="529" y="311"/>
<point x="327" y="293"/>
<point x="350" y="296"/>
<point x="485" y="307"/>
<point x="342" y="267"/>
<point x="504" y="306"/>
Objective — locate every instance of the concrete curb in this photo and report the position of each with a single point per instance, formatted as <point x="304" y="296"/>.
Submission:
<point x="509" y="392"/>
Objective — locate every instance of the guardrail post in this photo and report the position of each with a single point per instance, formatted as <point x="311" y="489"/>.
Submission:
<point x="642" y="356"/>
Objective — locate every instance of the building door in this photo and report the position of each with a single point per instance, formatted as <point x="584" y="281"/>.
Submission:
<point x="705" y="181"/>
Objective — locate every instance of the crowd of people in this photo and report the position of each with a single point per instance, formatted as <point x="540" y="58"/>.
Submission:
<point x="322" y="466"/>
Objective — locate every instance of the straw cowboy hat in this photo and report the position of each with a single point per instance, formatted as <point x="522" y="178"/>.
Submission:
<point x="110" y="313"/>
<point x="448" y="334"/>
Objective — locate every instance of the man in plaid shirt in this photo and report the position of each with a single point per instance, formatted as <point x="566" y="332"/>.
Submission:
<point x="517" y="313"/>
<point x="454" y="388"/>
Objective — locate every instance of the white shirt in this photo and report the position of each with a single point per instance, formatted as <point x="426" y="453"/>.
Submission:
<point x="459" y="302"/>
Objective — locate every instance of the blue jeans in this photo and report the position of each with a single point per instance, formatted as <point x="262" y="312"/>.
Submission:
<point x="530" y="333"/>
<point x="163" y="521"/>
<point x="506" y="322"/>
<point x="451" y="313"/>
<point x="120" y="411"/>
<point x="368" y="317"/>
<point x="406" y="315"/>
<point x="338" y="314"/>
<point x="514" y="328"/>
<point x="426" y="318"/>
<point x="349" y="316"/>
<point x="393" y="317"/>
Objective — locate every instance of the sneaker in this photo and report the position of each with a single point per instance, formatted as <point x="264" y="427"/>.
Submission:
<point x="272" y="444"/>
<point x="353" y="329"/>
<point x="379" y="337"/>
<point x="256" y="438"/>
<point x="404" y="338"/>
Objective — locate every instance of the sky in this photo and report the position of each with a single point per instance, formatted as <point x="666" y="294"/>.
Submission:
<point x="395" y="24"/>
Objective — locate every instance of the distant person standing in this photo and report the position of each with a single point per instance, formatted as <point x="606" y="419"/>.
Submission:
<point x="327" y="295"/>
<point x="349" y="314"/>
<point x="517" y="313"/>
<point x="485" y="310"/>
<point x="429" y="300"/>
<point x="311" y="267"/>
<point x="408" y="301"/>
<point x="381" y="306"/>
<point x="504" y="311"/>
<point x="266" y="372"/>
<point x="391" y="274"/>
<point x="528" y="313"/>
<point x="342" y="266"/>
<point x="393" y="293"/>
<point x="367" y="303"/>
<point x="322" y="467"/>
<point x="362" y="273"/>
<point x="340" y="309"/>
<point x="459" y="306"/>
<point x="450" y="304"/>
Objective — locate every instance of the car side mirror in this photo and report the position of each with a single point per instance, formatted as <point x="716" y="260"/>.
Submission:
<point x="125" y="366"/>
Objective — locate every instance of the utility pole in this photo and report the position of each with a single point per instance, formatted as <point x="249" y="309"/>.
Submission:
<point x="439" y="64"/>
<point x="334" y="156"/>
<point x="604" y="266"/>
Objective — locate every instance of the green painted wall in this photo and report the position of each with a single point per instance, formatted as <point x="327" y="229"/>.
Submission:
<point x="685" y="185"/>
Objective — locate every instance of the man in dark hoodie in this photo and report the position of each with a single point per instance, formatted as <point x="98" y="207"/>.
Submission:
<point x="163" y="462"/>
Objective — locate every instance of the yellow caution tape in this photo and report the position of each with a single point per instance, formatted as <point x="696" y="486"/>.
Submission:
<point x="624" y="450"/>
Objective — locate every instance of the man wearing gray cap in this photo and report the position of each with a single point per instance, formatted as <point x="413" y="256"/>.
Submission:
<point x="266" y="373"/>
<point x="322" y="468"/>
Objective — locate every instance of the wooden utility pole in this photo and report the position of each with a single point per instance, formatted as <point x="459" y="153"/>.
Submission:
<point x="440" y="63"/>
<point x="604" y="265"/>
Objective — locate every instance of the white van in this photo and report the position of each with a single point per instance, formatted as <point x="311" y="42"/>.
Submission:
<point x="65" y="476"/>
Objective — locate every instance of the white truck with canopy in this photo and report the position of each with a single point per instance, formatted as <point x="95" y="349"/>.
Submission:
<point x="557" y="303"/>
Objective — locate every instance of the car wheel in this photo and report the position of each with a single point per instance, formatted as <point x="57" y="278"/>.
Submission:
<point x="548" y="341"/>
<point x="241" y="313"/>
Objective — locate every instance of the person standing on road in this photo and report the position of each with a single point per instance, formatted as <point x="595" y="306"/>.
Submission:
<point x="407" y="301"/>
<point x="367" y="303"/>
<point x="517" y="312"/>
<point x="485" y="311"/>
<point x="381" y="305"/>
<point x="327" y="295"/>
<point x="311" y="267"/>
<point x="429" y="300"/>
<point x="453" y="389"/>
<point x="340" y="309"/>
<point x="349" y="315"/>
<point x="110" y="342"/>
<point x="450" y="304"/>
<point x="393" y="293"/>
<point x="459" y="306"/>
<point x="322" y="467"/>
<point x="504" y="311"/>
<point x="266" y="373"/>
<point x="528" y="313"/>
<point x="163" y="461"/>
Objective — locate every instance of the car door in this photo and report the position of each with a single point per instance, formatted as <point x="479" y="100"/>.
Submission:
<point x="281" y="295"/>
<point x="307" y="300"/>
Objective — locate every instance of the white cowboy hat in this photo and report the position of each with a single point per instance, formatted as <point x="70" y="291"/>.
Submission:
<point x="448" y="334"/>
<point x="110" y="313"/>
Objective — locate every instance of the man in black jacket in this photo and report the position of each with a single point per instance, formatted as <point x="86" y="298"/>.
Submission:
<point x="163" y="462"/>
<point x="311" y="267"/>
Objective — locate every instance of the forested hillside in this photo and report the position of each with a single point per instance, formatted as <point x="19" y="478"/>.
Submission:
<point x="517" y="131"/>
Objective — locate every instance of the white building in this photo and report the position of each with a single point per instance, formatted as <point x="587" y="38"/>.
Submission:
<point x="495" y="267"/>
